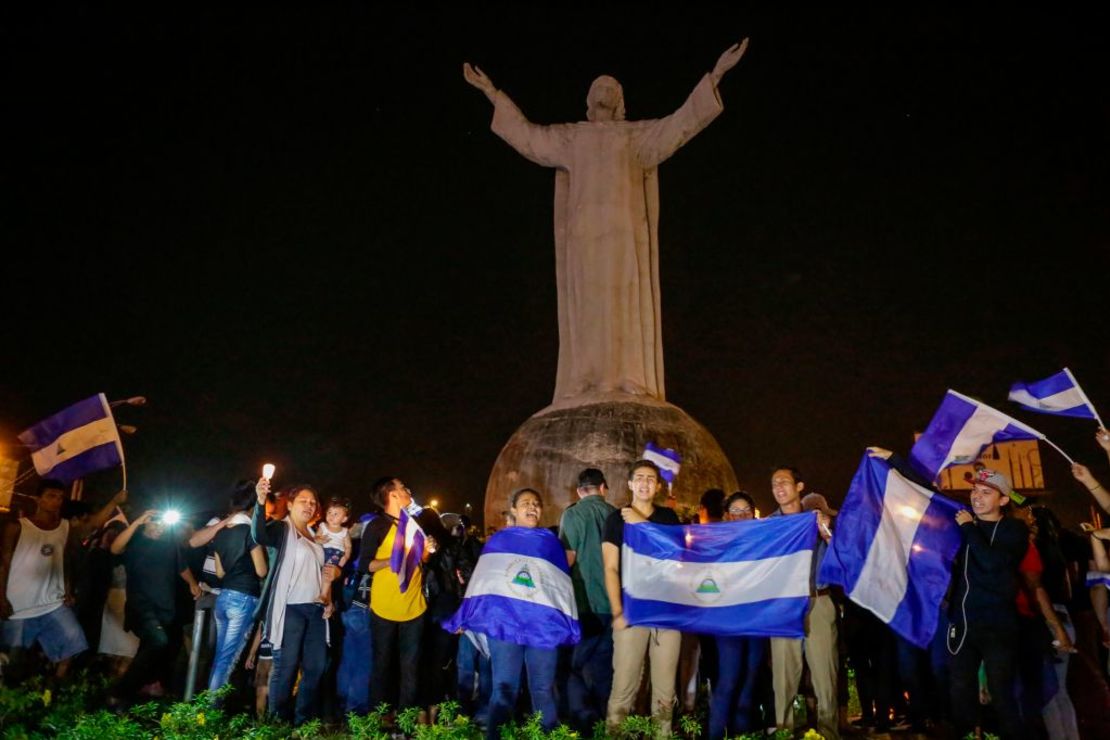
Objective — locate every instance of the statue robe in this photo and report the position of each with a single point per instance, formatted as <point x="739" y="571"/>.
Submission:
<point x="607" y="238"/>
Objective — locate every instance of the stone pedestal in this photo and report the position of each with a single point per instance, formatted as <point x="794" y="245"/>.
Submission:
<point x="608" y="432"/>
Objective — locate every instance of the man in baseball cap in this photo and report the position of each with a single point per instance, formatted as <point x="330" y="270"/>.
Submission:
<point x="983" y="614"/>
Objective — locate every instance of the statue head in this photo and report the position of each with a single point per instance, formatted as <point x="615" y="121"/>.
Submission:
<point x="605" y="101"/>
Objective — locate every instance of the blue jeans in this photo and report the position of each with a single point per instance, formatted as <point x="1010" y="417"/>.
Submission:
<point x="508" y="660"/>
<point x="233" y="614"/>
<point x="303" y="646"/>
<point x="591" y="673"/>
<point x="356" y="661"/>
<point x="733" y="701"/>
<point x="470" y="662"/>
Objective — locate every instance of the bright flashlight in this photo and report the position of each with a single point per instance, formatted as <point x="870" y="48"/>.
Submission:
<point x="173" y="516"/>
<point x="268" y="471"/>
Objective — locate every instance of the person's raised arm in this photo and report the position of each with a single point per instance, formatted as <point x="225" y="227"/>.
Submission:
<point x="479" y="79"/>
<point x="728" y="59"/>
<point x="8" y="540"/>
<point x="1083" y="474"/>
<point x="119" y="544"/>
<point x="202" y="537"/>
<point x="97" y="520"/>
<point x="1102" y="436"/>
<point x="262" y="534"/>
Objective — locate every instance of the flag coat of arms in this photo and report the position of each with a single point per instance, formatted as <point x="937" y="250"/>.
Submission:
<point x="893" y="550"/>
<point x="72" y="443"/>
<point x="521" y="591"/>
<point x="734" y="578"/>
<point x="958" y="432"/>
<point x="408" y="550"/>
<point x="1059" y="395"/>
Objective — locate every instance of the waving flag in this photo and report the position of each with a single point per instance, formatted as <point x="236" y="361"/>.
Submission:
<point x="521" y="591"/>
<point x="1059" y="395"/>
<point x="667" y="460"/>
<point x="959" y="431"/>
<point x="734" y="578"/>
<point x="75" y="442"/>
<point x="408" y="549"/>
<point x="893" y="550"/>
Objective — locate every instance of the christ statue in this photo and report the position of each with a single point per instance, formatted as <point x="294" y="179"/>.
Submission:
<point x="606" y="226"/>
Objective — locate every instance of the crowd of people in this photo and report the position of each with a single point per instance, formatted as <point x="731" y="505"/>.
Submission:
<point x="317" y="614"/>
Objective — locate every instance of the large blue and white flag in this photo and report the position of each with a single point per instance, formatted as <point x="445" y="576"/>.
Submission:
<point x="1059" y="395"/>
<point x="75" y="442"/>
<point x="521" y="591"/>
<point x="733" y="578"/>
<point x="408" y="549"/>
<point x="893" y="550"/>
<point x="959" y="431"/>
<point x="667" y="460"/>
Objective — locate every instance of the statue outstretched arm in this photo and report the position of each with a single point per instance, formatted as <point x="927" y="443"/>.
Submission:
<point x="544" y="145"/>
<point x="479" y="79"/>
<point x="659" y="139"/>
<point x="728" y="60"/>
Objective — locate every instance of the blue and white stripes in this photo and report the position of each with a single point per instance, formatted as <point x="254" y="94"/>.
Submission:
<point x="521" y="591"/>
<point x="737" y="578"/>
<point x="1059" y="395"/>
<point x="76" y="441"/>
<point x="893" y="550"/>
<point x="958" y="432"/>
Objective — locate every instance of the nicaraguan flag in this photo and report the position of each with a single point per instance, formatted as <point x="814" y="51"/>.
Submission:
<point x="75" y="442"/>
<point x="959" y="431"/>
<point x="733" y="578"/>
<point x="1059" y="395"/>
<point x="521" y="591"/>
<point x="893" y="550"/>
<point x="408" y="549"/>
<point x="667" y="460"/>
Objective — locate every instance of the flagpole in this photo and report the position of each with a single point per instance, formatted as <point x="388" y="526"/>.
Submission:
<point x="1086" y="400"/>
<point x="1054" y="446"/>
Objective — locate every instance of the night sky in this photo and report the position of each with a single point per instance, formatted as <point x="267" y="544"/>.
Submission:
<point x="293" y="231"/>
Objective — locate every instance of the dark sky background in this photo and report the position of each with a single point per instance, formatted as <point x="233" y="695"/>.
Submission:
<point x="292" y="230"/>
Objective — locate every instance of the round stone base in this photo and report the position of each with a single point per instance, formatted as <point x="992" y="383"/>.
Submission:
<point x="549" y="450"/>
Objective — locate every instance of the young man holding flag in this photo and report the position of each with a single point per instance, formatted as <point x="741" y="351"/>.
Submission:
<point x="983" y="611"/>
<point x="819" y="645"/>
<point x="631" y="645"/>
<point x="393" y="551"/>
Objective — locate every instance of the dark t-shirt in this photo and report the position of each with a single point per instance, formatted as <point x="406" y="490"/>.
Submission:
<point x="233" y="545"/>
<point x="153" y="571"/>
<point x="614" y="524"/>
<point x="986" y="572"/>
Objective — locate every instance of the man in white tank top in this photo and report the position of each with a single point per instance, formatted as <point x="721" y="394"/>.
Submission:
<point x="35" y="595"/>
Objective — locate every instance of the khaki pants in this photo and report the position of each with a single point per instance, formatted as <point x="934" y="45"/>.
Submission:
<point x="630" y="645"/>
<point x="821" y="655"/>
